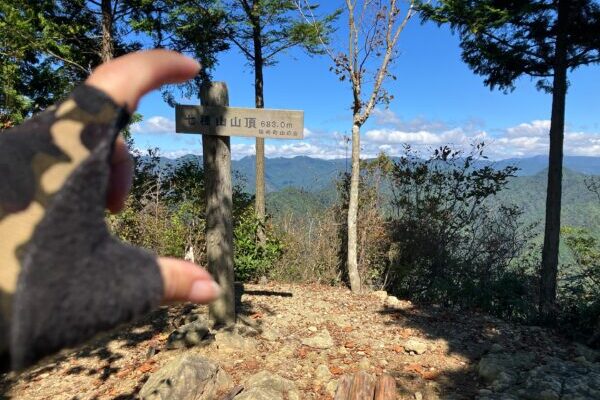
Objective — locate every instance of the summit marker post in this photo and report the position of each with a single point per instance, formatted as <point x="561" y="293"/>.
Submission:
<point x="216" y="121"/>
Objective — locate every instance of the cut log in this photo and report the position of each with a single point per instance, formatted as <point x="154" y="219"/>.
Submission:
<point x="363" y="387"/>
<point x="385" y="388"/>
<point x="343" y="388"/>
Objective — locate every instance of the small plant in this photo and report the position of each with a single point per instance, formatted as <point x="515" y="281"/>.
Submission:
<point x="251" y="260"/>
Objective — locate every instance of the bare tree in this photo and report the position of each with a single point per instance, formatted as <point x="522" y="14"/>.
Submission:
<point x="374" y="27"/>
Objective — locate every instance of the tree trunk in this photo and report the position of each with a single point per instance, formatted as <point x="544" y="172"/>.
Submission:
<point x="260" y="142"/>
<point x="352" y="260"/>
<point x="549" y="268"/>
<point x="107" y="50"/>
<point x="219" y="229"/>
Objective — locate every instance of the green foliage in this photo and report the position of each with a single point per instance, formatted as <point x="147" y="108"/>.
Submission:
<point x="165" y="211"/>
<point x="275" y="26"/>
<point x="451" y="243"/>
<point x="46" y="48"/>
<point x="579" y="282"/>
<point x="503" y="40"/>
<point x="196" y="28"/>
<point x="251" y="260"/>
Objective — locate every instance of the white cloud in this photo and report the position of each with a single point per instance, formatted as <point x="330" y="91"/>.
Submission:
<point x="385" y="116"/>
<point x="180" y="153"/>
<point x="155" y="124"/>
<point x="534" y="128"/>
<point x="521" y="140"/>
<point x="388" y="118"/>
<point x="392" y="136"/>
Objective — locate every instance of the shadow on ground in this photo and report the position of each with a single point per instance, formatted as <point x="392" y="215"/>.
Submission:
<point x="466" y="337"/>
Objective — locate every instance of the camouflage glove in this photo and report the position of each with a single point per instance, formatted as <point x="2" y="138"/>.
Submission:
<point x="63" y="277"/>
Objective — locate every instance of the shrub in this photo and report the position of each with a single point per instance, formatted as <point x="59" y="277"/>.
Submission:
<point x="453" y="244"/>
<point x="251" y="259"/>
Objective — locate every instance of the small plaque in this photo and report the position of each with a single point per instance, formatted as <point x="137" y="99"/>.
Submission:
<point x="236" y="121"/>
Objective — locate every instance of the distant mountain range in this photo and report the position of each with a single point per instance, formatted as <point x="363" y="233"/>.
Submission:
<point x="315" y="174"/>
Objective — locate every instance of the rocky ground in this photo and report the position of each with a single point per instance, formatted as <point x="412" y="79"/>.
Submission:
<point x="295" y="341"/>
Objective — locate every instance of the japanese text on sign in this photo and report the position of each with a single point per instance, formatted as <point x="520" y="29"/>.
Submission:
<point x="233" y="121"/>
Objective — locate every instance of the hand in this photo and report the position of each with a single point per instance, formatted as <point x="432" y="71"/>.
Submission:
<point x="126" y="79"/>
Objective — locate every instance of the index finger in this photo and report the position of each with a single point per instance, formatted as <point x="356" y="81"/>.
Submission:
<point x="126" y="79"/>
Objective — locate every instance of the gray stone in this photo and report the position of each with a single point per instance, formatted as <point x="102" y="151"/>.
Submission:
<point x="364" y="364"/>
<point x="258" y="393"/>
<point x="380" y="294"/>
<point x="392" y="301"/>
<point x="589" y="353"/>
<point x="496" y="348"/>
<point x="415" y="345"/>
<point x="293" y="395"/>
<point x="188" y="335"/>
<point x="270" y="334"/>
<point x="189" y="377"/>
<point x="272" y="383"/>
<point x="331" y="387"/>
<point x="322" y="373"/>
<point x="231" y="342"/>
<point x="321" y="340"/>
<point x="504" y="367"/>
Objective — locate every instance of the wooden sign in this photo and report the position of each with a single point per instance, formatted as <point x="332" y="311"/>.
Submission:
<point x="235" y="121"/>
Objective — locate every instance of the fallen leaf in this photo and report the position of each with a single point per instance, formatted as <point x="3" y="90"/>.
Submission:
<point x="414" y="368"/>
<point x="336" y="370"/>
<point x="147" y="366"/>
<point x="123" y="373"/>
<point x="302" y="352"/>
<point x="430" y="375"/>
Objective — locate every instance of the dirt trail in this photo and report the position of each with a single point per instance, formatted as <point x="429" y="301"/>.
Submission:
<point x="365" y="333"/>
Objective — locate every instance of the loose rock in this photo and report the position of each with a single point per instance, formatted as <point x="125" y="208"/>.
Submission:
<point x="270" y="334"/>
<point x="189" y="377"/>
<point x="364" y="364"/>
<point x="188" y="335"/>
<point x="380" y="294"/>
<point x="258" y="393"/>
<point x="231" y="342"/>
<point x="321" y="340"/>
<point x="415" y="345"/>
<point x="272" y="385"/>
<point x="322" y="373"/>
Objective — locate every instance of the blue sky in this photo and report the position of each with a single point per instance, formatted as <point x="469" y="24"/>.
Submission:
<point x="437" y="100"/>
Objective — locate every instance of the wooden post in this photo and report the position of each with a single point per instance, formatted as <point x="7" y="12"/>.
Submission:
<point x="385" y="388"/>
<point x="343" y="389"/>
<point x="363" y="387"/>
<point x="219" y="204"/>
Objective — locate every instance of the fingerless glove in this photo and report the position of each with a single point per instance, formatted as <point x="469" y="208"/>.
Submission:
<point x="63" y="276"/>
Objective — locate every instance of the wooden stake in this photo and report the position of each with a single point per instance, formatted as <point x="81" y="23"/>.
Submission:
<point x="363" y="387"/>
<point x="386" y="388"/>
<point x="343" y="389"/>
<point x="219" y="204"/>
